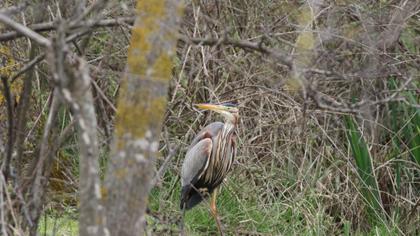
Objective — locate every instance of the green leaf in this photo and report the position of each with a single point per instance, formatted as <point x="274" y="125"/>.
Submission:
<point x="368" y="185"/>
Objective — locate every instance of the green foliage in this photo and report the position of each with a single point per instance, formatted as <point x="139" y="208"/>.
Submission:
<point x="293" y="177"/>
<point x="368" y="185"/>
<point x="408" y="38"/>
<point x="412" y="129"/>
<point x="241" y="212"/>
<point x="405" y="126"/>
<point x="52" y="224"/>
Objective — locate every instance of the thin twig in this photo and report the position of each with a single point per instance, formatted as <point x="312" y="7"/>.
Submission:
<point x="40" y="57"/>
<point x="163" y="167"/>
<point x="28" y="66"/>
<point x="329" y="103"/>
<point x="44" y="107"/>
<point x="67" y="131"/>
<point x="39" y="177"/>
<point x="99" y="90"/>
<point x="96" y="6"/>
<point x="243" y="44"/>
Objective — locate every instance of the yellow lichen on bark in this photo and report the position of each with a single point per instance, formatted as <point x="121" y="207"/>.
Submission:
<point x="136" y="58"/>
<point x="151" y="12"/>
<point x="140" y="111"/>
<point x="161" y="69"/>
<point x="134" y="118"/>
<point x="142" y="99"/>
<point x="305" y="43"/>
<point x="151" y="7"/>
<point x="305" y="16"/>
<point x="8" y="66"/>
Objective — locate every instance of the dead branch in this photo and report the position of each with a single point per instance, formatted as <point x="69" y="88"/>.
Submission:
<point x="41" y="40"/>
<point x="164" y="166"/>
<point x="95" y="7"/>
<point x="28" y="66"/>
<point x="48" y="26"/>
<point x="42" y="167"/>
<point x="10" y="136"/>
<point x="102" y="94"/>
<point x="22" y="116"/>
<point x="329" y="103"/>
<point x="243" y="44"/>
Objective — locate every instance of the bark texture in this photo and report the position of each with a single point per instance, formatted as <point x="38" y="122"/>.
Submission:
<point x="141" y="107"/>
<point x="92" y="213"/>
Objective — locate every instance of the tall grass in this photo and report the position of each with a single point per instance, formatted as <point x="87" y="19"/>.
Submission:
<point x="364" y="164"/>
<point x="405" y="125"/>
<point x="412" y="129"/>
<point x="289" y="177"/>
<point x="403" y="133"/>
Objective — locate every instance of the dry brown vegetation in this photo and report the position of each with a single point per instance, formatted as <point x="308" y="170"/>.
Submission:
<point x="297" y="70"/>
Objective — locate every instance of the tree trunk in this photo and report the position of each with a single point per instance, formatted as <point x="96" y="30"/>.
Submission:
<point x="91" y="216"/>
<point x="141" y="107"/>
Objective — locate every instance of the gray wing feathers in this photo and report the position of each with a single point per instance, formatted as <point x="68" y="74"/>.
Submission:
<point x="212" y="129"/>
<point x="195" y="160"/>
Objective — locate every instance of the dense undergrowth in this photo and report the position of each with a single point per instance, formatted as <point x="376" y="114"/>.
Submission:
<point x="302" y="168"/>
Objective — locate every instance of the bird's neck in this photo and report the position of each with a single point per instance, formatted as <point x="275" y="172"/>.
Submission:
<point x="230" y="124"/>
<point x="231" y="120"/>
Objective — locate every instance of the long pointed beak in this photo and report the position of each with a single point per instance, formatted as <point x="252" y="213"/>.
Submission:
<point x="211" y="107"/>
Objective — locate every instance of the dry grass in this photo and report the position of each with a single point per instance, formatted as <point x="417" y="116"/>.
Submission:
<point x="295" y="173"/>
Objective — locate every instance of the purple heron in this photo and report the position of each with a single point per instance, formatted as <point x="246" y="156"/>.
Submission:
<point x="209" y="159"/>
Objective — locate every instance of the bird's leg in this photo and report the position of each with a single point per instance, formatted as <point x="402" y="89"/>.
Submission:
<point x="213" y="209"/>
<point x="182" y="223"/>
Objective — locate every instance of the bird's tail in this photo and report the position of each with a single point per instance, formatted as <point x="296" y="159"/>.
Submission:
<point x="184" y="196"/>
<point x="190" y="197"/>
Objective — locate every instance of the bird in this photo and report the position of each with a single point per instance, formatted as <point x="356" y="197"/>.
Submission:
<point x="209" y="159"/>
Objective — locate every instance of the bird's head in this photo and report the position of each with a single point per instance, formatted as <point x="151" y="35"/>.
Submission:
<point x="228" y="110"/>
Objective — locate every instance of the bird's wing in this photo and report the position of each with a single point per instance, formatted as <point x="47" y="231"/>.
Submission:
<point x="209" y="131"/>
<point x="196" y="161"/>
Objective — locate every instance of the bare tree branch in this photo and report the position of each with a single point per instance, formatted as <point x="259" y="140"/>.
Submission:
<point x="243" y="44"/>
<point x="164" y="166"/>
<point x="73" y="83"/>
<point x="5" y="167"/>
<point x="42" y="166"/>
<point x="326" y="102"/>
<point x="102" y="94"/>
<point x="48" y="26"/>
<point x="28" y="66"/>
<point x="79" y="96"/>
<point x="41" y="40"/>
